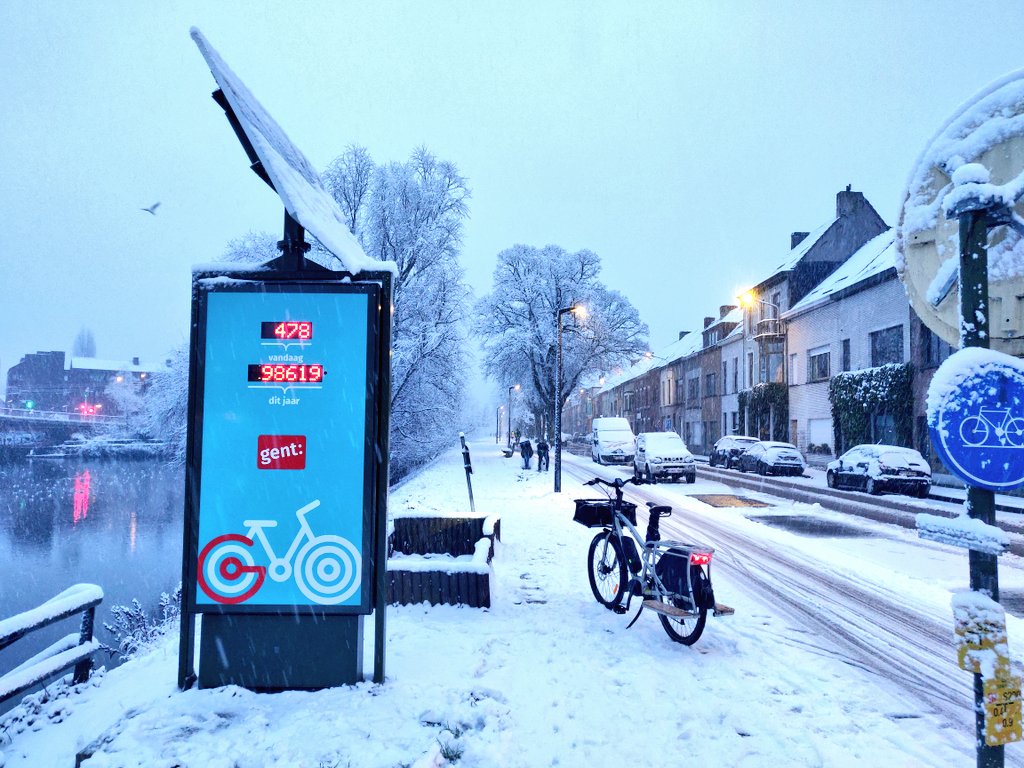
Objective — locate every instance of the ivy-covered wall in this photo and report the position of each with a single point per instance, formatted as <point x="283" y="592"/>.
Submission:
<point x="858" y="396"/>
<point x="763" y="402"/>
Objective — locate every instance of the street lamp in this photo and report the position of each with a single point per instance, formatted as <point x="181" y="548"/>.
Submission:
<point x="497" y="424"/>
<point x="580" y="312"/>
<point x="516" y="388"/>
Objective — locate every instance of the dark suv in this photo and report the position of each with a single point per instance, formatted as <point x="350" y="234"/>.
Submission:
<point x="727" y="450"/>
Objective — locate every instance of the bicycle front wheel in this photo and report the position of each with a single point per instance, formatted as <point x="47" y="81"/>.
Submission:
<point x="607" y="569"/>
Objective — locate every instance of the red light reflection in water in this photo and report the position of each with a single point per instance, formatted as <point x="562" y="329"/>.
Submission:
<point x="82" y="481"/>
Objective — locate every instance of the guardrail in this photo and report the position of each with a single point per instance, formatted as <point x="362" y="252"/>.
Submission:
<point x="26" y="414"/>
<point x="73" y="650"/>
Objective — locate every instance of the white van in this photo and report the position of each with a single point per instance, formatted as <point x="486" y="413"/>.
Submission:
<point x="612" y="441"/>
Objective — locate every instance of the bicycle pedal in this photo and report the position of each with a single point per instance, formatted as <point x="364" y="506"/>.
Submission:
<point x="620" y="608"/>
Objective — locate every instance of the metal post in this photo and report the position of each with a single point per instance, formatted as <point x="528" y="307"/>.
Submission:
<point x="974" y="332"/>
<point x="510" y="415"/>
<point x="468" y="466"/>
<point x="497" y="425"/>
<point x="558" y="402"/>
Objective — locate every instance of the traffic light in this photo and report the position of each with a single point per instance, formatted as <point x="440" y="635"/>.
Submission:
<point x="30" y="404"/>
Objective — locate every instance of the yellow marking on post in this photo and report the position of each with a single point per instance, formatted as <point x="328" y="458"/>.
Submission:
<point x="1002" y="702"/>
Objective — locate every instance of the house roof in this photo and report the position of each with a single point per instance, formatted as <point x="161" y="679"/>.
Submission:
<point x="873" y="258"/>
<point x="678" y="349"/>
<point x="801" y="249"/>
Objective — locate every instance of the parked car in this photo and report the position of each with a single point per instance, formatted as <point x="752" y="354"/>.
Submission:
<point x="728" y="449"/>
<point x="771" y="458"/>
<point x="663" y="456"/>
<point x="612" y="441"/>
<point x="878" y="468"/>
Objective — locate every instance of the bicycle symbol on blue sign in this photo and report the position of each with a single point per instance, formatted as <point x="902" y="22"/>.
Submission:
<point x="978" y="426"/>
<point x="992" y="427"/>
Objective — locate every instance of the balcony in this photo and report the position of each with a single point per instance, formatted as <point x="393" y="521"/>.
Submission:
<point x="768" y="328"/>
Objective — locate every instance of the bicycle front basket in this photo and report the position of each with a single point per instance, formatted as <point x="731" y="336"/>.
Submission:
<point x="595" y="513"/>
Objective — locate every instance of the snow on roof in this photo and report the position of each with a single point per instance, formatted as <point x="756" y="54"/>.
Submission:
<point x="293" y="176"/>
<point x="874" y="257"/>
<point x="125" y="366"/>
<point x="678" y="349"/>
<point x="801" y="249"/>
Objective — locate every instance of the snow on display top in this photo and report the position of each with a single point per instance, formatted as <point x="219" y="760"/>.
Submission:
<point x="978" y="152"/>
<point x="293" y="176"/>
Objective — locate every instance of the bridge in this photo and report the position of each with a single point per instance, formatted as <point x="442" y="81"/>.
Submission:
<point x="25" y="428"/>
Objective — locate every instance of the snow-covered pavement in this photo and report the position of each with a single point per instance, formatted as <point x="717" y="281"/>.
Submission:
<point x="546" y="677"/>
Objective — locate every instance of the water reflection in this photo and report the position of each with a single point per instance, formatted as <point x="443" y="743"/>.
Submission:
<point x="81" y="508"/>
<point x="113" y="523"/>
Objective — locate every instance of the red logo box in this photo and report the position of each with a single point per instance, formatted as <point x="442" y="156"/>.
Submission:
<point x="281" y="452"/>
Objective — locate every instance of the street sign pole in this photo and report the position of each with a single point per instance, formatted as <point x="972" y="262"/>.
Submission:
<point x="974" y="332"/>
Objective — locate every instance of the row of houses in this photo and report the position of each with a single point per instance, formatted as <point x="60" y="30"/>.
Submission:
<point x="825" y="352"/>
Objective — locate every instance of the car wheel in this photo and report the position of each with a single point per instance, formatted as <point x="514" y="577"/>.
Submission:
<point x="830" y="479"/>
<point x="691" y="478"/>
<point x="762" y="469"/>
<point x="650" y="476"/>
<point x="869" y="487"/>
<point x="923" y="491"/>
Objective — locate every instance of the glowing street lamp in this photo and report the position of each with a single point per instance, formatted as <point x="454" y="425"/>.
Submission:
<point x="580" y="311"/>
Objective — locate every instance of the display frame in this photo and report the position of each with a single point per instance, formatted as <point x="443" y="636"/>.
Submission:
<point x="204" y="286"/>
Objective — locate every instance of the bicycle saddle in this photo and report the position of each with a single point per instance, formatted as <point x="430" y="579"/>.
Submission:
<point x="660" y="510"/>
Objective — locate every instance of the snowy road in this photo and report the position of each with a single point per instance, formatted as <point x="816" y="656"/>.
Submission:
<point x="883" y="616"/>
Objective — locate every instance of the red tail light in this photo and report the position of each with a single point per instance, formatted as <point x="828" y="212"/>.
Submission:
<point x="700" y="558"/>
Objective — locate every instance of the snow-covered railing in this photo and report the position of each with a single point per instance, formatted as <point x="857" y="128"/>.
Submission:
<point x="70" y="651"/>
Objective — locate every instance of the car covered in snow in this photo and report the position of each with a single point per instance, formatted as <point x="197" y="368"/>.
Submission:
<point x="728" y="449"/>
<point x="663" y="456"/>
<point x="878" y="468"/>
<point x="612" y="441"/>
<point x="767" y="457"/>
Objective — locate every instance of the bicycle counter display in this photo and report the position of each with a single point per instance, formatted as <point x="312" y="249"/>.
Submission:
<point x="284" y="512"/>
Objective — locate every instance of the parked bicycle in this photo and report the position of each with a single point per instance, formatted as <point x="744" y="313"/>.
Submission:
<point x="673" y="578"/>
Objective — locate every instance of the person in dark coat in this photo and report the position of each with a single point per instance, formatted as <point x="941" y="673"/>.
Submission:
<point x="526" y="451"/>
<point x="542" y="455"/>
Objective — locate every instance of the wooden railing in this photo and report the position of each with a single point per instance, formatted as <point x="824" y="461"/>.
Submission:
<point x="73" y="650"/>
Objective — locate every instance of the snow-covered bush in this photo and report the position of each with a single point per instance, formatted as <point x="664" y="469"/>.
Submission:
<point x="134" y="630"/>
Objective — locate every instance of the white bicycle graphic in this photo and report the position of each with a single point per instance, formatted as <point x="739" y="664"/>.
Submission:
<point x="327" y="569"/>
<point x="1008" y="431"/>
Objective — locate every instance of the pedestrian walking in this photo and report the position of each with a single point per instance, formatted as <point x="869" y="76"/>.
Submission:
<point x="526" y="451"/>
<point x="542" y="454"/>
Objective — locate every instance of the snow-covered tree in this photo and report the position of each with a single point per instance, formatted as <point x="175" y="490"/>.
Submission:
<point x="165" y="404"/>
<point x="84" y="344"/>
<point x="252" y="248"/>
<point x="517" y="323"/>
<point x="412" y="214"/>
<point x="128" y="399"/>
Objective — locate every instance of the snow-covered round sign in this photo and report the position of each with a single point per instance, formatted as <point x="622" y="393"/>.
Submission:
<point x="976" y="418"/>
<point x="986" y="133"/>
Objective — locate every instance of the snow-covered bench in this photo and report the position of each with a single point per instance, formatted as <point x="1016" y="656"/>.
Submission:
<point x="442" y="560"/>
<point x="73" y="650"/>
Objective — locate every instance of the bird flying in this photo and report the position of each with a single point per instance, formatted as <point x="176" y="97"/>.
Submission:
<point x="151" y="209"/>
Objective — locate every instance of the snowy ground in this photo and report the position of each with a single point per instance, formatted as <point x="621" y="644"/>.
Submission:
<point x="547" y="677"/>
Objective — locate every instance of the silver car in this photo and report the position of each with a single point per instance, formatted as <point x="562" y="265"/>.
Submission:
<point x="663" y="456"/>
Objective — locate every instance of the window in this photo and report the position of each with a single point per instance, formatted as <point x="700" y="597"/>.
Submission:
<point x="711" y="385"/>
<point x="846" y="354"/>
<point x="725" y="376"/>
<point x="750" y="369"/>
<point x="887" y="346"/>
<point x="735" y="421"/>
<point x="818" y="364"/>
<point x="792" y="369"/>
<point x="933" y="349"/>
<point x="735" y="374"/>
<point x="692" y="390"/>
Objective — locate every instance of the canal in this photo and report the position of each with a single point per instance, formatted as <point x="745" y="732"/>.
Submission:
<point x="115" y="523"/>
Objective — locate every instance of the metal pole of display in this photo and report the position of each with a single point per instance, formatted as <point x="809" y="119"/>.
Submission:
<point x="974" y="332"/>
<point x="380" y="545"/>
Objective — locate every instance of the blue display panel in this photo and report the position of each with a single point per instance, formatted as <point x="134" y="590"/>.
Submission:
<point x="284" y="491"/>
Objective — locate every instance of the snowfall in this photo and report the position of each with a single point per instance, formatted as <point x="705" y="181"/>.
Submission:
<point x="545" y="677"/>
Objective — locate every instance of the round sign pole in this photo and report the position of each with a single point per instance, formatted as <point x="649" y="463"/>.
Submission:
<point x="974" y="332"/>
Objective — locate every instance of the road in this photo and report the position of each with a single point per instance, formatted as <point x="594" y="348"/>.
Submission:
<point x="902" y="636"/>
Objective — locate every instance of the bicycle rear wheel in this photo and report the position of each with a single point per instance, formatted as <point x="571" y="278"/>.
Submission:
<point x="687" y="629"/>
<point x="606" y="568"/>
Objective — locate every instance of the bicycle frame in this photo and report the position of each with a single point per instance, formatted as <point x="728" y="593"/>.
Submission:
<point x="280" y="568"/>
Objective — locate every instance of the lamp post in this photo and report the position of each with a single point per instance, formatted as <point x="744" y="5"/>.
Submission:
<point x="579" y="311"/>
<point x="497" y="424"/>
<point x="516" y="388"/>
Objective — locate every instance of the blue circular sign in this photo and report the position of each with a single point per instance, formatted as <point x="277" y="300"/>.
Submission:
<point x="976" y="418"/>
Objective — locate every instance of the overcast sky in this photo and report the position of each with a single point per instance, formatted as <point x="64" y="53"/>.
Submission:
<point x="682" y="142"/>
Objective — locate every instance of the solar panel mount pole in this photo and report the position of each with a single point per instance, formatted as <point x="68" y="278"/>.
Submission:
<point x="294" y="246"/>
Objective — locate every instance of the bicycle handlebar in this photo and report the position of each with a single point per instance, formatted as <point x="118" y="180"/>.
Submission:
<point x="618" y="483"/>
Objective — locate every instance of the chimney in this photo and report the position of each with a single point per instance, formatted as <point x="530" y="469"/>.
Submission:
<point x="708" y="321"/>
<point x="682" y="333"/>
<point x="725" y="309"/>
<point x="849" y="203"/>
<point x="795" y="238"/>
<point x="135" y="361"/>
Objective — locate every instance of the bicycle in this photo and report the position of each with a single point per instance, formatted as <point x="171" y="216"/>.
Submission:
<point x="327" y="569"/>
<point x="673" y="578"/>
